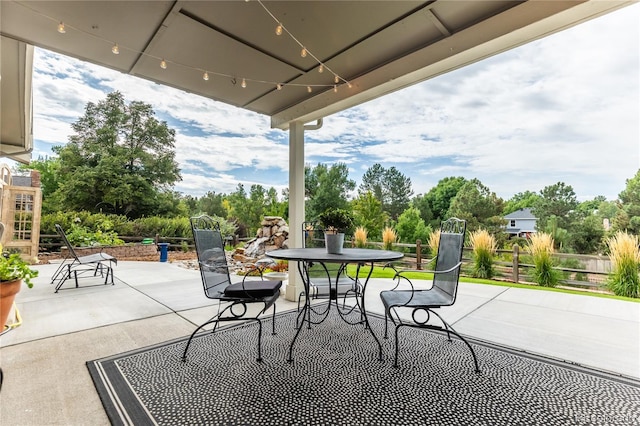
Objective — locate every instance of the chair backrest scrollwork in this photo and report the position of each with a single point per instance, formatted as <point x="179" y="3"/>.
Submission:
<point x="212" y="259"/>
<point x="452" y="233"/>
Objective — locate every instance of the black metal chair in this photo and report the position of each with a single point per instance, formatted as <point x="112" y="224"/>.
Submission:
<point x="232" y="298"/>
<point x="417" y="305"/>
<point x="77" y="266"/>
<point x="319" y="288"/>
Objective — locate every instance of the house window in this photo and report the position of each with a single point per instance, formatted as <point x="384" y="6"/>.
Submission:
<point x="513" y="223"/>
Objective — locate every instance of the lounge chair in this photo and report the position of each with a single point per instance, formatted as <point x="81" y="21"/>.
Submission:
<point x="77" y="266"/>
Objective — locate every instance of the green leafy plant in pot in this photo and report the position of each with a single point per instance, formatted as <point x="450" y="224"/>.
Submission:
<point x="335" y="222"/>
<point x="13" y="271"/>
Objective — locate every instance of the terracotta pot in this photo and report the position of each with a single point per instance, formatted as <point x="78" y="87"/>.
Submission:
<point x="8" y="291"/>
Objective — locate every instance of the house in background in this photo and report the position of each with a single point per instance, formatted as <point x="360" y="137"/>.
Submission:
<point x="520" y="223"/>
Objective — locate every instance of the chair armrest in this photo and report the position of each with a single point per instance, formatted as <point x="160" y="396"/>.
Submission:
<point x="429" y="271"/>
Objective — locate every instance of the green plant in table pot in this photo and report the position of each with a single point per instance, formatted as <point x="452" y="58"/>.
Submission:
<point x="13" y="271"/>
<point x="335" y="222"/>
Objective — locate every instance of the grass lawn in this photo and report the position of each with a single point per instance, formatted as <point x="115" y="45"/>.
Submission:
<point x="380" y="272"/>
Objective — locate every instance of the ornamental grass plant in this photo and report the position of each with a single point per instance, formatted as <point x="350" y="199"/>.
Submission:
<point x="484" y="248"/>
<point x="360" y="237"/>
<point x="389" y="238"/>
<point x="541" y="249"/>
<point x="433" y="242"/>
<point x="624" y="252"/>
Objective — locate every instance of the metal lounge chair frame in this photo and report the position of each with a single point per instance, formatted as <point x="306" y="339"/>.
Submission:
<point x="421" y="303"/>
<point x="232" y="298"/>
<point x="77" y="266"/>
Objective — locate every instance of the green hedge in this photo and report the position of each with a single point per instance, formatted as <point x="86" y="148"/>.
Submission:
<point x="121" y="225"/>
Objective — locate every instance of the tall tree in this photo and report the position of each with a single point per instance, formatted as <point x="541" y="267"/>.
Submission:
<point x="521" y="200"/>
<point x="211" y="204"/>
<point x="121" y="155"/>
<point x="389" y="186"/>
<point x="628" y="218"/>
<point x="556" y="201"/>
<point x="480" y="207"/>
<point x="327" y="187"/>
<point x="368" y="213"/>
<point x="438" y="200"/>
<point x="49" y="169"/>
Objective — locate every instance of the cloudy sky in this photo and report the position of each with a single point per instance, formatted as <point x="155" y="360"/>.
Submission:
<point x="564" y="108"/>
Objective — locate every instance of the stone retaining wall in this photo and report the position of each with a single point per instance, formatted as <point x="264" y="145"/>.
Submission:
<point x="119" y="252"/>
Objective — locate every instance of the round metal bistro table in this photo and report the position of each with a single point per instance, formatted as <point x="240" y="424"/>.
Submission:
<point x="308" y="256"/>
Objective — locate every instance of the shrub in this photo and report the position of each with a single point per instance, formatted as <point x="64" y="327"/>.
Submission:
<point x="484" y="248"/>
<point x="360" y="237"/>
<point x="541" y="249"/>
<point x="624" y="253"/>
<point x="81" y="236"/>
<point x="389" y="238"/>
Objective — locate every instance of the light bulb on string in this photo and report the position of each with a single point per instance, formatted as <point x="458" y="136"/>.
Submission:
<point x="336" y="80"/>
<point x="205" y="76"/>
<point x="321" y="69"/>
<point x="303" y="52"/>
<point x="244" y="83"/>
<point x="309" y="89"/>
<point x="335" y="88"/>
<point x="279" y="29"/>
<point x="115" y="49"/>
<point x="279" y="86"/>
<point x="61" y="28"/>
<point x="349" y="85"/>
<point x="163" y="64"/>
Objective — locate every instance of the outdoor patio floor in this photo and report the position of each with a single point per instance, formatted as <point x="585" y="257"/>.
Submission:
<point x="46" y="381"/>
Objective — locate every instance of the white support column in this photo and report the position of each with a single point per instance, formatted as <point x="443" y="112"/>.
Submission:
<point x="296" y="204"/>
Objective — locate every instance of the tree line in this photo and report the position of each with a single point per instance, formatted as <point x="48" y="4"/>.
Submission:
<point x="121" y="160"/>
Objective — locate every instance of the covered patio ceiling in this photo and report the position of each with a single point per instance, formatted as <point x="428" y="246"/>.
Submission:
<point x="365" y="49"/>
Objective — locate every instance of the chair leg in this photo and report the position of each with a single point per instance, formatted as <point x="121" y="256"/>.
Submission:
<point x="217" y="322"/>
<point x="273" y="321"/>
<point x="395" y="359"/>
<point x="386" y="324"/>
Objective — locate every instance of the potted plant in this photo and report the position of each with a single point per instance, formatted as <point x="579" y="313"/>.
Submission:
<point x="13" y="270"/>
<point x="335" y="222"/>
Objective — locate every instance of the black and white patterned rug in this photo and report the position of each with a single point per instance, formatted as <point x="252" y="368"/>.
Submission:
<point x="337" y="379"/>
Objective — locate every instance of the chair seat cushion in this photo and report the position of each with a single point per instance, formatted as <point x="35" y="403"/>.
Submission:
<point x="257" y="289"/>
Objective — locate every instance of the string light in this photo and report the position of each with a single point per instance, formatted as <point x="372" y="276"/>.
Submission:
<point x="279" y="30"/>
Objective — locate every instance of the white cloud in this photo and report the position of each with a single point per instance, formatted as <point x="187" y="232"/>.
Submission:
<point x="563" y="108"/>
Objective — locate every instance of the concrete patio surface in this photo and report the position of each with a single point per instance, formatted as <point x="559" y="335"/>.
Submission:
<point x="47" y="383"/>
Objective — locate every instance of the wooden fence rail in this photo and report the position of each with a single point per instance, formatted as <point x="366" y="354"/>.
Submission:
<point x="508" y="264"/>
